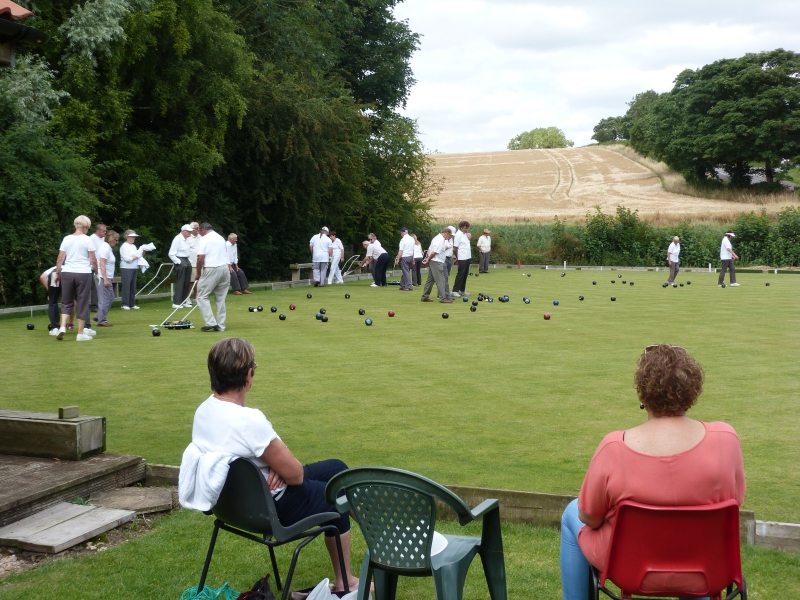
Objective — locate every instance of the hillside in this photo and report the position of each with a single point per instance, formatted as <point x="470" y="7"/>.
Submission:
<point x="536" y="185"/>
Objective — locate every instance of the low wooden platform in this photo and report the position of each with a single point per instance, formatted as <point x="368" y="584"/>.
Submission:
<point x="29" y="485"/>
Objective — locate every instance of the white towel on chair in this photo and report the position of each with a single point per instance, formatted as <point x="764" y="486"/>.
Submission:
<point x="201" y="477"/>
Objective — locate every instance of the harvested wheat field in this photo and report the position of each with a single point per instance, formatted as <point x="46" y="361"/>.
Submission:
<point x="536" y="185"/>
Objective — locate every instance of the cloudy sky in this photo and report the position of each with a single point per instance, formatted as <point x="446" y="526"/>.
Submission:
<point x="490" y="69"/>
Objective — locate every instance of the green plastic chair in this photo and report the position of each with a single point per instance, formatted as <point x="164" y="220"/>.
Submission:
<point x="396" y="511"/>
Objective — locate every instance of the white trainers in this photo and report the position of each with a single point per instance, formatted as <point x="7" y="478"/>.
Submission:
<point x="82" y="337"/>
<point x="126" y="308"/>
<point x="374" y="285"/>
<point x="60" y="334"/>
<point x="456" y="295"/>
<point x="178" y="306"/>
<point x="54" y="331"/>
<point x="734" y="285"/>
<point x="135" y="307"/>
<point x="89" y="331"/>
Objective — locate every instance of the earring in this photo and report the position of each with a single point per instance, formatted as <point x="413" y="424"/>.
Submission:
<point x="641" y="405"/>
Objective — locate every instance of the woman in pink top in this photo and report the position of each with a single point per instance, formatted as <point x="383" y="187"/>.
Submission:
<point x="669" y="460"/>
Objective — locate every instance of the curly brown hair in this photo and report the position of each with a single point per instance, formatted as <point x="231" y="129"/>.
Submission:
<point x="668" y="380"/>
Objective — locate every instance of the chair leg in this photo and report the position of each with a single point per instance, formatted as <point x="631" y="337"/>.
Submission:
<point x="365" y="579"/>
<point x="275" y="568"/>
<point x="293" y="564"/>
<point x="342" y="566"/>
<point x="385" y="585"/>
<point x="494" y="568"/>
<point x="208" y="557"/>
<point x="449" y="581"/>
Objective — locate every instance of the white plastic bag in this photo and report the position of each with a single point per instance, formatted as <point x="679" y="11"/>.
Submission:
<point x="323" y="592"/>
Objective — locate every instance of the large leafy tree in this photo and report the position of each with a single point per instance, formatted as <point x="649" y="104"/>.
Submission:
<point x="541" y="137"/>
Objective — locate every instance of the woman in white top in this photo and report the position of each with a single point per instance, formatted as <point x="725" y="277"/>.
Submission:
<point x="380" y="257"/>
<point x="337" y="255"/>
<point x="224" y="424"/>
<point x="76" y="261"/>
<point x="416" y="272"/>
<point x="129" y="267"/>
<point x="105" y="287"/>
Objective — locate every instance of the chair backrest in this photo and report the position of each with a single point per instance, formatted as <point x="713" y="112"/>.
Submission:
<point x="396" y="511"/>
<point x="245" y="501"/>
<point x="692" y="550"/>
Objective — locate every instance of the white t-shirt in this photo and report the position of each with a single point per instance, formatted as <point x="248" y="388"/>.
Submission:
<point x="228" y="428"/>
<point x="337" y="247"/>
<point x="107" y="252"/>
<point x="437" y="245"/>
<point x="674" y="252"/>
<point x="50" y="274"/>
<point x="320" y="244"/>
<point x="726" y="250"/>
<point x="375" y="249"/>
<point x="461" y="242"/>
<point x="485" y="243"/>
<point x="407" y="246"/>
<point x="129" y="256"/>
<point x="233" y="253"/>
<point x="77" y="248"/>
<point x="194" y="242"/>
<point x="417" y="250"/>
<point x="448" y="248"/>
<point x="212" y="247"/>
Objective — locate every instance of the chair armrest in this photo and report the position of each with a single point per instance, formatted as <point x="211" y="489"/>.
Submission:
<point x="309" y="522"/>
<point x="484" y="507"/>
<point x="342" y="505"/>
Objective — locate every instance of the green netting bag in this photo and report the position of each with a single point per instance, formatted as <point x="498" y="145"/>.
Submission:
<point x="223" y="593"/>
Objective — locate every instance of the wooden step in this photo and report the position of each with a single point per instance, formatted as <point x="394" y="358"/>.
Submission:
<point x="142" y="500"/>
<point x="62" y="526"/>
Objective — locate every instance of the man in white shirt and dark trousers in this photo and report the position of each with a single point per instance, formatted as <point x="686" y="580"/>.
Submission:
<point x="239" y="283"/>
<point x="464" y="256"/>
<point x="320" y="246"/>
<point x="213" y="276"/>
<point x="194" y="241"/>
<point x="727" y="256"/>
<point x="435" y="263"/>
<point x="98" y="238"/>
<point x="448" y="259"/>
<point x="179" y="253"/>
<point x="405" y="258"/>
<point x="673" y="258"/>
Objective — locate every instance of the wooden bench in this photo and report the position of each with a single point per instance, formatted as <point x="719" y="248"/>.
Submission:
<point x="296" y="269"/>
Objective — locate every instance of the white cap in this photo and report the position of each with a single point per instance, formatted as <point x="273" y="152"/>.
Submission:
<point x="324" y="229"/>
<point x="730" y="233"/>
<point x="187" y="227"/>
<point x="452" y="229"/>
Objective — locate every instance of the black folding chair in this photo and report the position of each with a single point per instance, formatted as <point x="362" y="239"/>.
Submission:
<point x="245" y="507"/>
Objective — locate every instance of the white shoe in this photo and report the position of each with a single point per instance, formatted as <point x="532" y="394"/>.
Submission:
<point x="135" y="307"/>
<point x="734" y="285"/>
<point x="374" y="285"/>
<point x="60" y="334"/>
<point x="82" y="337"/>
<point x="54" y="331"/>
<point x="89" y="331"/>
<point x="178" y="306"/>
<point x="126" y="308"/>
<point x="456" y="295"/>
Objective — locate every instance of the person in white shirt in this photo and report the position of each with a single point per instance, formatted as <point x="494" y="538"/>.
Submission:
<point x="179" y="253"/>
<point x="405" y="258"/>
<point x="106" y="262"/>
<point x="98" y="239"/>
<point x="485" y="247"/>
<point x="74" y="267"/>
<point x="320" y="246"/>
<point x="448" y="259"/>
<point x="48" y="279"/>
<point x="194" y="241"/>
<point x="239" y="283"/>
<point x="727" y="256"/>
<point x="337" y="256"/>
<point x="673" y="258"/>
<point x="213" y="277"/>
<point x="224" y="425"/>
<point x="435" y="262"/>
<point x="379" y="259"/>
<point x="129" y="256"/>
<point x="464" y="257"/>
<point x="417" y="272"/>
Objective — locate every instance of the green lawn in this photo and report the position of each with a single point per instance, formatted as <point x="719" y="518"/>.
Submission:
<point x="497" y="398"/>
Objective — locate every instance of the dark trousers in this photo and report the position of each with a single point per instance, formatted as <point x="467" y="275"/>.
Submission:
<point x="379" y="274"/>
<point x="673" y="272"/>
<point x="416" y="272"/>
<point x="239" y="281"/>
<point x="93" y="302"/>
<point x="128" y="277"/>
<point x="53" y="294"/>
<point x="461" y="277"/>
<point x="308" y="498"/>
<point x="75" y="289"/>
<point x="727" y="265"/>
<point x="183" y="281"/>
<point x="483" y="267"/>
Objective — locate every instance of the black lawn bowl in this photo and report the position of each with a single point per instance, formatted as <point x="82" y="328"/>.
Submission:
<point x="681" y="285"/>
<point x="308" y="296"/>
<point x="724" y="286"/>
<point x="282" y="317"/>
<point x="30" y="326"/>
<point x="563" y="274"/>
<point x="474" y="303"/>
<point x="156" y="332"/>
<point x="324" y="319"/>
<point x="471" y="274"/>
<point x="594" y="283"/>
<point x="491" y="299"/>
<point x="767" y="284"/>
<point x="624" y="282"/>
<point x="631" y="283"/>
<point x="480" y="297"/>
<point x="252" y="308"/>
<point x="688" y="283"/>
<point x="528" y="274"/>
<point x="613" y="298"/>
<point x="273" y="309"/>
<point x="322" y="311"/>
<point x="367" y="322"/>
<point x="619" y="276"/>
<point x="506" y="298"/>
<point x="613" y="281"/>
<point x="362" y="312"/>
<point x="526" y="300"/>
<point x="580" y="298"/>
<point x="260" y="308"/>
<point x="675" y="285"/>
<point x="664" y="285"/>
<point x="445" y="316"/>
<point x="473" y="308"/>
<point x="347" y="296"/>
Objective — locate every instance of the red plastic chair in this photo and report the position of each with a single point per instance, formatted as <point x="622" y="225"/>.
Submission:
<point x="650" y="545"/>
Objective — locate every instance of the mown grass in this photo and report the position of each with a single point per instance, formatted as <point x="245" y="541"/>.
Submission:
<point x="498" y="398"/>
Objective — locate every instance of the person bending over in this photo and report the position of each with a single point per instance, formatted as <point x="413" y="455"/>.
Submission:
<point x="669" y="460"/>
<point x="224" y="424"/>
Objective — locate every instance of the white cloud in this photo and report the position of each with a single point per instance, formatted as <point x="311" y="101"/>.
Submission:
<point x="489" y="69"/>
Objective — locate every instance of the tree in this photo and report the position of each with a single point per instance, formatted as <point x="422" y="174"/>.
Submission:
<point x="610" y="129"/>
<point x="542" y="137"/>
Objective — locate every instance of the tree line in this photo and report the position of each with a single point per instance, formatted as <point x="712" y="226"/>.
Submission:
<point x="268" y="118"/>
<point x="728" y="116"/>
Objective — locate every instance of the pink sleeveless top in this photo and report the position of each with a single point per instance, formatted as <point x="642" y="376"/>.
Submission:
<point x="711" y="471"/>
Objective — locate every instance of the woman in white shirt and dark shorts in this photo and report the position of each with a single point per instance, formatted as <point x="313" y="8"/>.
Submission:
<point x="74" y="267"/>
<point x="376" y="254"/>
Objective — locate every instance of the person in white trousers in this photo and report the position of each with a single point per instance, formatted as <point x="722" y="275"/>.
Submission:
<point x="337" y="256"/>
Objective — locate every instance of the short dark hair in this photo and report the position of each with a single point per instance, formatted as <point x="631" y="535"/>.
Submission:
<point x="463" y="224"/>
<point x="332" y="232"/>
<point x="668" y="380"/>
<point x="206" y="226"/>
<point x="229" y="361"/>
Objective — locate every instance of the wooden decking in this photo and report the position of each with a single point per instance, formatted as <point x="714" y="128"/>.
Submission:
<point x="28" y="485"/>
